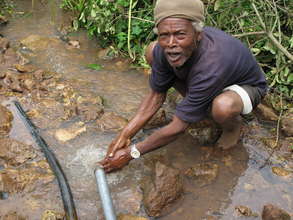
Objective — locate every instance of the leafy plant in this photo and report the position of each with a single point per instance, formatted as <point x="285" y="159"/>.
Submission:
<point x="266" y="26"/>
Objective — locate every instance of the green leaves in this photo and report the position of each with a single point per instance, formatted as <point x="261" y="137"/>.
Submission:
<point x="94" y="66"/>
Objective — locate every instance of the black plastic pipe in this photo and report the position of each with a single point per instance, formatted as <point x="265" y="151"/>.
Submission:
<point x="69" y="207"/>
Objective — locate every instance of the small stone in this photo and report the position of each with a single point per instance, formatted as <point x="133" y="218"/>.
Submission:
<point x="52" y="215"/>
<point x="69" y="133"/>
<point x="24" y="68"/>
<point x="74" y="43"/>
<point x="271" y="212"/>
<point x="279" y="171"/>
<point x="266" y="112"/>
<point x="243" y="211"/>
<point x="130" y="217"/>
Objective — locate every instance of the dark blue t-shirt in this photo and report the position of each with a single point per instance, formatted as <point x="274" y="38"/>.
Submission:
<point x="220" y="60"/>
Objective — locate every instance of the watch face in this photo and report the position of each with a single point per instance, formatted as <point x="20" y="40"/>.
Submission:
<point x="135" y="154"/>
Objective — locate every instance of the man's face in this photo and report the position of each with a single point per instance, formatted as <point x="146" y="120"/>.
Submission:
<point x="178" y="39"/>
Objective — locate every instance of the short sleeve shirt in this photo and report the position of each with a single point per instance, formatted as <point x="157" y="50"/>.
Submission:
<point x="219" y="60"/>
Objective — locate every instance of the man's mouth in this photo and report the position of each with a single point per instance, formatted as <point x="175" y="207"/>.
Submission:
<point x="173" y="56"/>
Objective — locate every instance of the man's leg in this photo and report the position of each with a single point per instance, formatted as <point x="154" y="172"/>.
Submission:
<point x="226" y="109"/>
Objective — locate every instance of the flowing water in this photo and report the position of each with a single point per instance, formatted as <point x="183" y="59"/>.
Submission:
<point x="240" y="181"/>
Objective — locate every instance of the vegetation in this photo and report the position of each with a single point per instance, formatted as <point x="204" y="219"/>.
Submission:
<point x="6" y="7"/>
<point x="266" y="26"/>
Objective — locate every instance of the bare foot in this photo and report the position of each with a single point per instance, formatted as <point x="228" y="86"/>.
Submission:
<point x="230" y="135"/>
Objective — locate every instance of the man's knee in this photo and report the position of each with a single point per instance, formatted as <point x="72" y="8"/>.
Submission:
<point x="149" y="52"/>
<point x="226" y="106"/>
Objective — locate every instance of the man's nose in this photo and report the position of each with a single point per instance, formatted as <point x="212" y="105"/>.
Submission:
<point x="172" y="41"/>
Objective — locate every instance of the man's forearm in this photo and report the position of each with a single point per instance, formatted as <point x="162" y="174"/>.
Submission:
<point x="162" y="136"/>
<point x="146" y="110"/>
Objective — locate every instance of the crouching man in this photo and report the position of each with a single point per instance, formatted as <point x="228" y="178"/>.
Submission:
<point x="214" y="72"/>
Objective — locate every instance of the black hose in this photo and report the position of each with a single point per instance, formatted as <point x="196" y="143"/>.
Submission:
<point x="66" y="194"/>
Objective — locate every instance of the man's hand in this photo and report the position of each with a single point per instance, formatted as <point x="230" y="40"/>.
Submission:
<point x="119" y="160"/>
<point x="119" y="143"/>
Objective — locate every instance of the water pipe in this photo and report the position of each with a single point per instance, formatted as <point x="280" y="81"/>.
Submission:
<point x="68" y="203"/>
<point x="104" y="192"/>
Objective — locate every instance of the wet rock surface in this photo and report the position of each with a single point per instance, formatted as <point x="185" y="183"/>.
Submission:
<point x="206" y="132"/>
<point x="26" y="178"/>
<point x="5" y="120"/>
<point x="13" y="216"/>
<point x="166" y="188"/>
<point x="271" y="212"/>
<point x="203" y="174"/>
<point x="266" y="112"/>
<point x="111" y="121"/>
<point x="287" y="125"/>
<point x="15" y="153"/>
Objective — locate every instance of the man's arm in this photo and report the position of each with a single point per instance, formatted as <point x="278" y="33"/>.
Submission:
<point x="159" y="138"/>
<point x="163" y="136"/>
<point x="149" y="106"/>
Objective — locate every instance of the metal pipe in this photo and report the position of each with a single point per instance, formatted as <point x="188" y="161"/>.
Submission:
<point x="66" y="194"/>
<point x="104" y="192"/>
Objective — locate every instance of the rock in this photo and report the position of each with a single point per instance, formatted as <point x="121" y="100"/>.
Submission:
<point x="110" y="121"/>
<point x="13" y="216"/>
<point x="74" y="44"/>
<point x="203" y="173"/>
<point x="103" y="54"/>
<point x="166" y="189"/>
<point x="66" y="134"/>
<point x="5" y="120"/>
<point x="3" y="20"/>
<point x="279" y="171"/>
<point x="159" y="119"/>
<point x="245" y="211"/>
<point x="15" y="153"/>
<point x="25" y="178"/>
<point x="271" y="212"/>
<point x="12" y="82"/>
<point x="130" y="217"/>
<point x="287" y="125"/>
<point x="37" y="42"/>
<point x="52" y="215"/>
<point x="24" y="68"/>
<point x="205" y="132"/>
<point x="90" y="108"/>
<point x="266" y="112"/>
<point x="4" y="44"/>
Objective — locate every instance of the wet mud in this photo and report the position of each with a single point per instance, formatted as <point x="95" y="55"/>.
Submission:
<point x="78" y="112"/>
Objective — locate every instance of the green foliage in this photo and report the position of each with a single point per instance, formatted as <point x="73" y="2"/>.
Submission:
<point x="94" y="66"/>
<point x="6" y="7"/>
<point x="108" y="21"/>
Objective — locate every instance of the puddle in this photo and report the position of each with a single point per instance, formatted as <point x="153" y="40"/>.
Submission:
<point x="240" y="181"/>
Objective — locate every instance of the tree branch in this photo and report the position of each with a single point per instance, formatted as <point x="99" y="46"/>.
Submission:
<point x="271" y="36"/>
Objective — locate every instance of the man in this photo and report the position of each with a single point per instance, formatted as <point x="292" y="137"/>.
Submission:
<point x="215" y="73"/>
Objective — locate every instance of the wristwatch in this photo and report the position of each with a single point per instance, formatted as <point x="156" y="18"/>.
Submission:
<point x="134" y="153"/>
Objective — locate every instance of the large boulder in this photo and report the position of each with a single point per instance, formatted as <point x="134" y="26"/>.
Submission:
<point x="166" y="188"/>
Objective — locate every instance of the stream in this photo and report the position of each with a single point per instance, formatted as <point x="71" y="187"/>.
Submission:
<point x="244" y="175"/>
